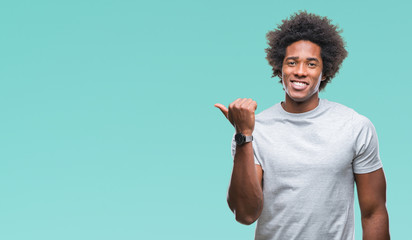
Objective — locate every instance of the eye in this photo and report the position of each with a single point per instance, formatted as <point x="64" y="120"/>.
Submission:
<point x="312" y="64"/>
<point x="291" y="63"/>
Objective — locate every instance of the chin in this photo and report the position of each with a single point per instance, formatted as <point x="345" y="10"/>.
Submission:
<point x="299" y="97"/>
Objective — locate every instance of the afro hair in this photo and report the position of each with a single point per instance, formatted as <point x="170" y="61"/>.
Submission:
<point x="310" y="27"/>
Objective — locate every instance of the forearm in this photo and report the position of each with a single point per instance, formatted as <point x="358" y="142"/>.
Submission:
<point x="376" y="226"/>
<point x="245" y="197"/>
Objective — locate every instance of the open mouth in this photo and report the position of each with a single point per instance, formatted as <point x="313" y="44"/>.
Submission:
<point x="298" y="83"/>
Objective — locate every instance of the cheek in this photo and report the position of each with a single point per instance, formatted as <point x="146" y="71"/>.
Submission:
<point x="286" y="71"/>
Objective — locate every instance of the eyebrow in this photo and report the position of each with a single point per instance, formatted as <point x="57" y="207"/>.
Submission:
<point x="309" y="58"/>
<point x="312" y="59"/>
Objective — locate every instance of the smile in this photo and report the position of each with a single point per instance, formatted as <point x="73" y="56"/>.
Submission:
<point x="299" y="85"/>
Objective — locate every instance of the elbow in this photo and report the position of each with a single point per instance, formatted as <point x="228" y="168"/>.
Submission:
<point x="246" y="212"/>
<point x="247" y="216"/>
<point x="246" y="220"/>
<point x="373" y="211"/>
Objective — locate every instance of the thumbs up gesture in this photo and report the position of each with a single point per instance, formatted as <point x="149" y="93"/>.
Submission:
<point x="241" y="114"/>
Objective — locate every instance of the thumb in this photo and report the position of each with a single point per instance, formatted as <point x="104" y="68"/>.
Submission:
<point x="222" y="108"/>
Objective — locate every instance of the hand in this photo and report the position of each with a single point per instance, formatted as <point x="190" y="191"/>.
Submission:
<point x="241" y="114"/>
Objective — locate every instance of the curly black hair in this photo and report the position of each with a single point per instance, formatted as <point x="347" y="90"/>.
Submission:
<point x="310" y="27"/>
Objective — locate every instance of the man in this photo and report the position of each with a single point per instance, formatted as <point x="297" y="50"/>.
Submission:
<point x="296" y="163"/>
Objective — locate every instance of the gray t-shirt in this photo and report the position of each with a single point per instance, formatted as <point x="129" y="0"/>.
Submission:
<point x="308" y="161"/>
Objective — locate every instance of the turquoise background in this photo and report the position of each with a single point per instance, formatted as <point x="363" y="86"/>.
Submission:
<point x="108" y="129"/>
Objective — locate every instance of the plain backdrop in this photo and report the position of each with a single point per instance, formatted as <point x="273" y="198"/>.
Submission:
<point x="107" y="125"/>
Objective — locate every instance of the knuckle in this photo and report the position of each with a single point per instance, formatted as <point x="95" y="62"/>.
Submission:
<point x="245" y="110"/>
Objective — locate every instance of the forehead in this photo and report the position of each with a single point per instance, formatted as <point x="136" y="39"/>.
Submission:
<point x="303" y="49"/>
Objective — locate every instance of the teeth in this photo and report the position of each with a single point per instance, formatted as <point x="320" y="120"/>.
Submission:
<point x="299" y="83"/>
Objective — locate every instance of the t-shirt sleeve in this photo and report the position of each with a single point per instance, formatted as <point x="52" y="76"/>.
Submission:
<point x="366" y="148"/>
<point x="234" y="150"/>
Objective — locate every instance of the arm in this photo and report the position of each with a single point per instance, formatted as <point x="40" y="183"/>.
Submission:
<point x="245" y="197"/>
<point x="372" y="200"/>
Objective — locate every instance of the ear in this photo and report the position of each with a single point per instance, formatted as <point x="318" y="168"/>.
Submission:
<point x="323" y="78"/>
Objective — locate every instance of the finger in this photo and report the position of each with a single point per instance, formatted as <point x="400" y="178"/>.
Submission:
<point x="247" y="102"/>
<point x="252" y="104"/>
<point x="234" y="103"/>
<point x="241" y="102"/>
<point x="222" y="108"/>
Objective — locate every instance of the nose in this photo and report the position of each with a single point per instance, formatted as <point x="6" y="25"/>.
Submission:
<point x="300" y="70"/>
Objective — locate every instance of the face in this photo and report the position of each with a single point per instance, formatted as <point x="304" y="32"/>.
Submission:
<point x="302" y="71"/>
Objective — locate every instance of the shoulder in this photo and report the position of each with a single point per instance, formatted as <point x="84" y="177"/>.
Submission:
<point x="358" y="121"/>
<point x="363" y="125"/>
<point x="349" y="113"/>
<point x="338" y="108"/>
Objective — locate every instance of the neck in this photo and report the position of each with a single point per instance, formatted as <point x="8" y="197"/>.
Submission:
<point x="292" y="106"/>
